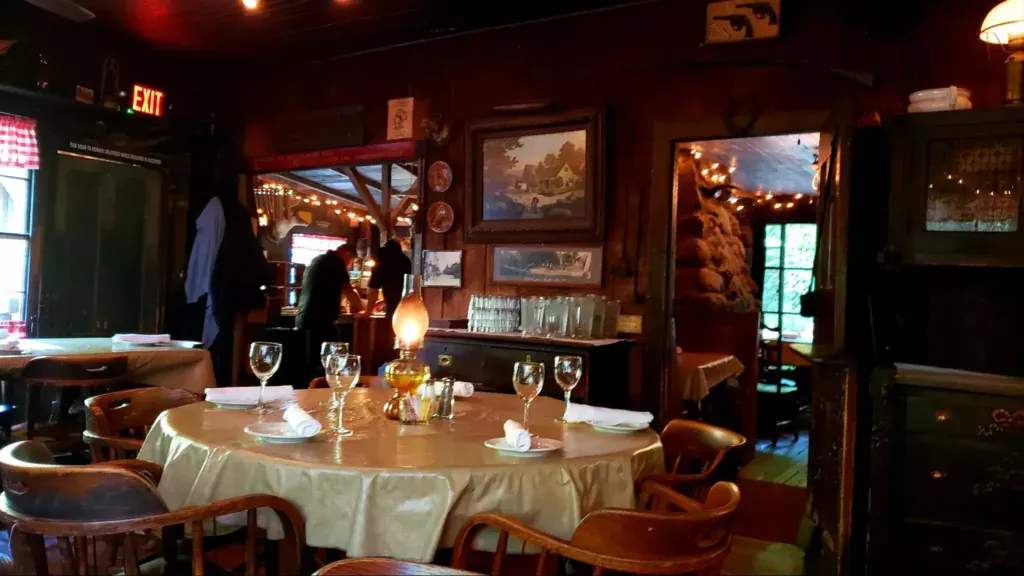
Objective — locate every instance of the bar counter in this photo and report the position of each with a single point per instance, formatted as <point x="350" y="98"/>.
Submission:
<point x="487" y="359"/>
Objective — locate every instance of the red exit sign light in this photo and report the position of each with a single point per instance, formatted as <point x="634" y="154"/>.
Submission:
<point x="147" y="101"/>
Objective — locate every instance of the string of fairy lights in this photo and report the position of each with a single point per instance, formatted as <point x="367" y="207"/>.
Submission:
<point x="274" y="200"/>
<point x="716" y="173"/>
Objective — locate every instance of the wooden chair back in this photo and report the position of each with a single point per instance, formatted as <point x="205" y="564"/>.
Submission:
<point x="693" y="447"/>
<point x="674" y="535"/>
<point x="769" y="362"/>
<point x="117" y="423"/>
<point x="71" y="372"/>
<point x="374" y="566"/>
<point x="77" y="503"/>
<point x="364" y="382"/>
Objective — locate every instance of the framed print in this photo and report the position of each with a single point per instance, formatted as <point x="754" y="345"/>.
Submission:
<point x="548" y="265"/>
<point x="536" y="179"/>
<point x="442" y="268"/>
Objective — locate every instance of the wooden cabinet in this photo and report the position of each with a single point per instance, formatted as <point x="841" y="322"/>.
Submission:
<point x="488" y="360"/>
<point x="947" y="468"/>
<point x="957" y="181"/>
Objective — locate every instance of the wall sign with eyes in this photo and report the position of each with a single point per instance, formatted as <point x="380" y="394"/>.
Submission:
<point x="741" y="20"/>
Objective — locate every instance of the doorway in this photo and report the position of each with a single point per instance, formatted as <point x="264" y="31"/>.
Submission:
<point x="101" y="272"/>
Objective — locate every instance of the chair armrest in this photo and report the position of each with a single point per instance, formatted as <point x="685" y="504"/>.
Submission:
<point x="657" y="497"/>
<point x="507" y="526"/>
<point x="675" y="481"/>
<point x="149" y="470"/>
<point x="94" y="439"/>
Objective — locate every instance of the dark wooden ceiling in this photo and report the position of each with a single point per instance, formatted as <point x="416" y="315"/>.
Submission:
<point x="315" y="29"/>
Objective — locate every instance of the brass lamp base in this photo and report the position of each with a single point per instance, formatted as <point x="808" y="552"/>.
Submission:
<point x="391" y="408"/>
<point x="1014" y="80"/>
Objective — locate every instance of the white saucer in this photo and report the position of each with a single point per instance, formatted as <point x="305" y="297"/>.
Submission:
<point x="539" y="447"/>
<point x="275" y="433"/>
<point x="232" y="406"/>
<point x="621" y="428"/>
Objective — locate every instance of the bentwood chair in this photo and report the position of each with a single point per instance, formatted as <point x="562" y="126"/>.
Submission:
<point x="374" y="566"/>
<point x="673" y="535"/>
<point x="117" y="423"/>
<point x="697" y="455"/>
<point x="65" y="374"/>
<point x="113" y="503"/>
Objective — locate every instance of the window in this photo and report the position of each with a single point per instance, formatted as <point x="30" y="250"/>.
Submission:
<point x="788" y="275"/>
<point x="15" y="226"/>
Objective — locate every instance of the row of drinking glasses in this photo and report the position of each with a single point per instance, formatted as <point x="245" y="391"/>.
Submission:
<point x="494" y="314"/>
<point x="583" y="317"/>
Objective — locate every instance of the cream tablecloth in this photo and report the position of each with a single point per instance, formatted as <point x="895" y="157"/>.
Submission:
<point x="698" y="372"/>
<point x="401" y="491"/>
<point x="164" y="366"/>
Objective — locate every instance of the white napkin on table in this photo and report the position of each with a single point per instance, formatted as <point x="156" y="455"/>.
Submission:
<point x="249" y="394"/>
<point x="300" y="421"/>
<point x="142" y="338"/>
<point x="606" y="416"/>
<point x="460" y="389"/>
<point x="516" y="436"/>
<point x="9" y="345"/>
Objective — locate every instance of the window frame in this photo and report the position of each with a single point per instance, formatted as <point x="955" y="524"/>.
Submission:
<point x="30" y="182"/>
<point x="781" y="269"/>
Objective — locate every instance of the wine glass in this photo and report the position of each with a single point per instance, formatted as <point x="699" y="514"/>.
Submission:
<point x="326" y="349"/>
<point x="342" y="376"/>
<point x="528" y="379"/>
<point x="264" y="359"/>
<point x="568" y="370"/>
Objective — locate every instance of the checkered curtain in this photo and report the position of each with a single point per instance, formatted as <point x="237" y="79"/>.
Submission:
<point x="18" y="147"/>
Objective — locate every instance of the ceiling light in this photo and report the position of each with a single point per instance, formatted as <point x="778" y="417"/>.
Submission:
<point x="696" y="155"/>
<point x="789" y="205"/>
<point x="251" y="4"/>
<point x="704" y="172"/>
<point x="733" y="200"/>
<point x="740" y="207"/>
<point x="777" y="206"/>
<point x="732" y="169"/>
<point x="336" y="211"/>
<point x="715" y="166"/>
<point x="799" y="196"/>
<point x="415" y="206"/>
<point x="351" y="214"/>
<point x="769" y="196"/>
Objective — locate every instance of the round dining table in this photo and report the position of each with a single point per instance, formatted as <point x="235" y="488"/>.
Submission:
<point x="401" y="491"/>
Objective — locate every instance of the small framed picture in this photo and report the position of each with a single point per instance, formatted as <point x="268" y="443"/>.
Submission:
<point x="442" y="268"/>
<point x="548" y="265"/>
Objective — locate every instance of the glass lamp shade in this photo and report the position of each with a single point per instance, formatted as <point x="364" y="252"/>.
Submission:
<point x="411" y="320"/>
<point x="1004" y="23"/>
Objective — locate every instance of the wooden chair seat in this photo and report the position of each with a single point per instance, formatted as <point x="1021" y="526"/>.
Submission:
<point x="115" y="501"/>
<point x="375" y="566"/>
<point x="117" y="423"/>
<point x="753" y="556"/>
<point x="671" y="535"/>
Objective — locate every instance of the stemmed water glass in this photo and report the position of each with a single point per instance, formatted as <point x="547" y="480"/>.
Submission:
<point x="342" y="376"/>
<point x="326" y="349"/>
<point x="264" y="359"/>
<point x="568" y="370"/>
<point x="528" y="379"/>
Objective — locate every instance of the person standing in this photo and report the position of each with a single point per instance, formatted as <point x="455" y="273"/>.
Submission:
<point x="324" y="284"/>
<point x="392" y="266"/>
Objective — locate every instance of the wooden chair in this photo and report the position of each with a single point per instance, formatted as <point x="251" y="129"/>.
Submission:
<point x="778" y="403"/>
<point x="65" y="374"/>
<point x="115" y="501"/>
<point x="373" y="566"/>
<point x="673" y="535"/>
<point x="364" y="382"/>
<point x="117" y="423"/>
<point x="697" y="455"/>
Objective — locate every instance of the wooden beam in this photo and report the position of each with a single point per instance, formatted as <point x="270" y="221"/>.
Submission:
<point x="366" y="179"/>
<point x="385" y="198"/>
<point x="320" y="188"/>
<point x="383" y="220"/>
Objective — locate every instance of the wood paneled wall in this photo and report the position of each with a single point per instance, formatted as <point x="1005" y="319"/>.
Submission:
<point x="643" y="64"/>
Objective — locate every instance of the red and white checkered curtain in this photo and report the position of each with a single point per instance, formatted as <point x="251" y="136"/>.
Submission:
<point x="18" y="147"/>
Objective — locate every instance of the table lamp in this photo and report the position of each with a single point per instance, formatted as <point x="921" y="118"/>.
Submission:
<point x="407" y="373"/>
<point x="1004" y="25"/>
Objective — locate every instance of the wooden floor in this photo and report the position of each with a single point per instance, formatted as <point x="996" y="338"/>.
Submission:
<point x="786" y="464"/>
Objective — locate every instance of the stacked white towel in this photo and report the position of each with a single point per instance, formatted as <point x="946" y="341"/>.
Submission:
<point x="249" y="394"/>
<point x="300" y="421"/>
<point x="606" y="416"/>
<point x="147" y="339"/>
<point x="516" y="436"/>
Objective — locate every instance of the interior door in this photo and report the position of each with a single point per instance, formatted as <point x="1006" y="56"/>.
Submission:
<point x="100" y="265"/>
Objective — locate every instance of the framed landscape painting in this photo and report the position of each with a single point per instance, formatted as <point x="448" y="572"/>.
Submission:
<point x="555" y="265"/>
<point x="442" y="268"/>
<point x="536" y="179"/>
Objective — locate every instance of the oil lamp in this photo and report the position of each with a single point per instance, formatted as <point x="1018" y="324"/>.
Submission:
<point x="1004" y="25"/>
<point x="406" y="374"/>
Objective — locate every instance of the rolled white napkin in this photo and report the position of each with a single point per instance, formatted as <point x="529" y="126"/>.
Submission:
<point x="516" y="436"/>
<point x="463" y="389"/>
<point x="249" y="394"/>
<point x="142" y="338"/>
<point x="9" y="345"/>
<point x="606" y="416"/>
<point x="300" y="420"/>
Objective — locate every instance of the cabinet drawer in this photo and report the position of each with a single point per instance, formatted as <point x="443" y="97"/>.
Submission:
<point x="961" y="482"/>
<point x="937" y="549"/>
<point x="998" y="419"/>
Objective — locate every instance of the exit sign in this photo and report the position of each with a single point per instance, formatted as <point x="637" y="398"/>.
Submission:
<point x="147" y="101"/>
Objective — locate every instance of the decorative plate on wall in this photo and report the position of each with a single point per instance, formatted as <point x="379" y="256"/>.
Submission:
<point x="440" y="217"/>
<point x="439" y="176"/>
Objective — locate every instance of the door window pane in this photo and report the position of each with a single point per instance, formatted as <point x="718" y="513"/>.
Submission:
<point x="14" y="202"/>
<point x="795" y="283"/>
<point x="13" y="265"/>
<point x="800" y="244"/>
<point x="773" y="246"/>
<point x="770" y="293"/>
